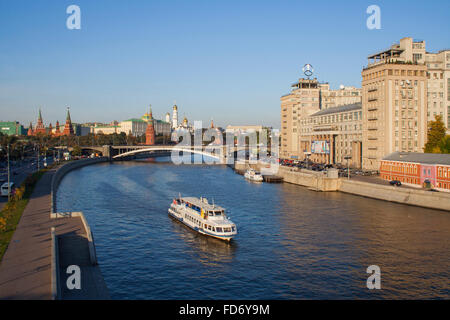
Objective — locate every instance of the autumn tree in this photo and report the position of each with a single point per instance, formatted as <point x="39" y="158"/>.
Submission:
<point x="436" y="132"/>
<point x="444" y="144"/>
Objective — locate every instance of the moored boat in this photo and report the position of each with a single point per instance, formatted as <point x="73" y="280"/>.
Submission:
<point x="253" y="175"/>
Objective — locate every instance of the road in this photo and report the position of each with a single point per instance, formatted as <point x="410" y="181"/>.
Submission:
<point x="21" y="169"/>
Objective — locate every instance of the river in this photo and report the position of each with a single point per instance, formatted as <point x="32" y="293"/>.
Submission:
<point x="292" y="243"/>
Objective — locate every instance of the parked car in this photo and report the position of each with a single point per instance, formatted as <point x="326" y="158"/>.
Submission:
<point x="395" y="183"/>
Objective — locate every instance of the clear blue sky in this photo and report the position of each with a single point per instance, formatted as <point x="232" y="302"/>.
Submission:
<point x="226" y="60"/>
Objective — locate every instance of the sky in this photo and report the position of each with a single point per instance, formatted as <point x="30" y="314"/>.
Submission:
<point x="229" y="61"/>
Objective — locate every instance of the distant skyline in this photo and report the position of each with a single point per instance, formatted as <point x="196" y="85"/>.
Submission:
<point x="228" y="61"/>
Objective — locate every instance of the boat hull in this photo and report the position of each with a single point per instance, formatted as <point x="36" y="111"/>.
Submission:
<point x="254" y="179"/>
<point x="176" y="216"/>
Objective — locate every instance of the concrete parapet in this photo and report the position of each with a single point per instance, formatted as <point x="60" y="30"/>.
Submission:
<point x="89" y="235"/>
<point x="76" y="244"/>
<point x="317" y="181"/>
<point x="56" y="285"/>
<point x="415" y="197"/>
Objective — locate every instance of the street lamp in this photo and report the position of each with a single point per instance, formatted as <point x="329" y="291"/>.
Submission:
<point x="9" y="178"/>
<point x="9" y="174"/>
<point x="348" y="166"/>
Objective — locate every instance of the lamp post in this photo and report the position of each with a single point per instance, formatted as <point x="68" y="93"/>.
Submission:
<point x="348" y="166"/>
<point x="9" y="174"/>
<point x="38" y="157"/>
<point x="9" y="177"/>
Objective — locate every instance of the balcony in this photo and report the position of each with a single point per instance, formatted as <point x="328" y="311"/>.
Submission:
<point x="372" y="109"/>
<point x="372" y="119"/>
<point x="372" y="99"/>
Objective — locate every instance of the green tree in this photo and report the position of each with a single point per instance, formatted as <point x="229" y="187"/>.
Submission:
<point x="76" y="151"/>
<point x="444" y="144"/>
<point x="436" y="132"/>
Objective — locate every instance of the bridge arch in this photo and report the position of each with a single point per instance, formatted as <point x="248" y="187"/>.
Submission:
<point x="167" y="148"/>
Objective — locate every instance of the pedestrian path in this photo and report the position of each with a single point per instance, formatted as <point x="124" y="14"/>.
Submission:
<point x="25" y="271"/>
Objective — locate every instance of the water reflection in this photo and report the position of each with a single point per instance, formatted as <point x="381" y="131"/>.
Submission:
<point x="207" y="250"/>
<point x="293" y="243"/>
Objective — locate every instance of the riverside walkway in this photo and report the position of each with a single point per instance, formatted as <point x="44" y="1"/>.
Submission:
<point x="26" y="267"/>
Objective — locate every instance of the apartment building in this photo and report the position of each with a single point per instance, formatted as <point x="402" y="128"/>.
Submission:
<point x="394" y="106"/>
<point x="438" y="86"/>
<point x="313" y="126"/>
<point x="303" y="101"/>
<point x="343" y="96"/>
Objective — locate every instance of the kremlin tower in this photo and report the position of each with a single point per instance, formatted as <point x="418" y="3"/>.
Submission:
<point x="57" y="132"/>
<point x="30" y="130"/>
<point x="150" y="131"/>
<point x="40" y="128"/>
<point x="68" y="128"/>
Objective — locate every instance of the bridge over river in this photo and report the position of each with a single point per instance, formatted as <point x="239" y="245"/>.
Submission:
<point x="222" y="153"/>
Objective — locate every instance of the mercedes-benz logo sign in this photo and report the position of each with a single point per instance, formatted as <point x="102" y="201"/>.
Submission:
<point x="308" y="70"/>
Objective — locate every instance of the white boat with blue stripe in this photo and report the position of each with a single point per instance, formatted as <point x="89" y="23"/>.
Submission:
<point x="203" y="217"/>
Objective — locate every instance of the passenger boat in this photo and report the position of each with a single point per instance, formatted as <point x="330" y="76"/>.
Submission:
<point x="203" y="217"/>
<point x="253" y="175"/>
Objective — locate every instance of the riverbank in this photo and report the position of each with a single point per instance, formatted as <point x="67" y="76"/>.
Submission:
<point x="12" y="210"/>
<point x="34" y="264"/>
<point x="409" y="196"/>
<point x="319" y="181"/>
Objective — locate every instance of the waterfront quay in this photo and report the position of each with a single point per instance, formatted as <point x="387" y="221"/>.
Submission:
<point x="34" y="265"/>
<point x="376" y="188"/>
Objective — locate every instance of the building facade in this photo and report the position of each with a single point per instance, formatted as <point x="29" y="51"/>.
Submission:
<point x="342" y="96"/>
<point x="417" y="168"/>
<point x="303" y="101"/>
<point x="333" y="136"/>
<point x="134" y="126"/>
<point x="438" y="86"/>
<point x="321" y="124"/>
<point x="12" y="128"/>
<point x="394" y="103"/>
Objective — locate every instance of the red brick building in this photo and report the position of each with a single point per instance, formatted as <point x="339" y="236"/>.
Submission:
<point x="417" y="168"/>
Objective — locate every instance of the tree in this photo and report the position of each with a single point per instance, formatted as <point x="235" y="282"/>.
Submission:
<point x="444" y="145"/>
<point x="76" y="151"/>
<point x="436" y="132"/>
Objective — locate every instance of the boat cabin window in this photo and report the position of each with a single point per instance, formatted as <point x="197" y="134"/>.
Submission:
<point x="227" y="229"/>
<point x="218" y="229"/>
<point x="233" y="228"/>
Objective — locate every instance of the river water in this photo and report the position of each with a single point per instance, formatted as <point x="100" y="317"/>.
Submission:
<point x="292" y="243"/>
